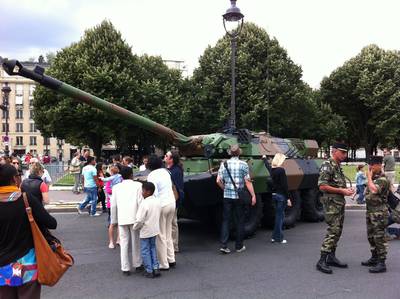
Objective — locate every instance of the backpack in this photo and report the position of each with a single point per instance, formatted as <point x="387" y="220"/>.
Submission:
<point x="393" y="201"/>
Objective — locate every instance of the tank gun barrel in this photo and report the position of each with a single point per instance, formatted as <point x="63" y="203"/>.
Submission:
<point x="14" y="67"/>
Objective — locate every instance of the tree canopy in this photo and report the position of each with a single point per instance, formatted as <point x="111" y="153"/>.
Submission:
<point x="365" y="91"/>
<point x="269" y="87"/>
<point x="102" y="64"/>
<point x="268" y="81"/>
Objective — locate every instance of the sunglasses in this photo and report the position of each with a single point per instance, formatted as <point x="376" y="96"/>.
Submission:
<point x="15" y="163"/>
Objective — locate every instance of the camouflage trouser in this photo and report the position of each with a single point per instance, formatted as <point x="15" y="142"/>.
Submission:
<point x="376" y="224"/>
<point x="334" y="217"/>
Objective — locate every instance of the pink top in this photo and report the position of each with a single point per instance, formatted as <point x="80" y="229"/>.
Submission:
<point x="108" y="191"/>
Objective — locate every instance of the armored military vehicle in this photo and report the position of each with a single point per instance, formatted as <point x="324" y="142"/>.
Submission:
<point x="204" y="153"/>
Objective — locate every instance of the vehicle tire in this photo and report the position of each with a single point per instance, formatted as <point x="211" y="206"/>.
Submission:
<point x="292" y="214"/>
<point x="311" y="208"/>
<point x="268" y="211"/>
<point x="252" y="219"/>
<point x="253" y="216"/>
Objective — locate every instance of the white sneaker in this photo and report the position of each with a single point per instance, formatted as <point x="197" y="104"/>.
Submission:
<point x="111" y="246"/>
<point x="283" y="242"/>
<point x="241" y="249"/>
<point x="225" y="250"/>
<point x="272" y="240"/>
<point x="95" y="215"/>
<point x="80" y="212"/>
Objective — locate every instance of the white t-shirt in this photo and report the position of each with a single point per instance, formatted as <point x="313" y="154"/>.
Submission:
<point x="162" y="181"/>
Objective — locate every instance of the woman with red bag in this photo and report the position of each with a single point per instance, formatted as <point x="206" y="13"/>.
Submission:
<point x="18" y="268"/>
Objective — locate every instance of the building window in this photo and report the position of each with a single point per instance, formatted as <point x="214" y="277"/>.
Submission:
<point x="20" y="140"/>
<point x="19" y="114"/>
<point x="19" y="100"/>
<point x="31" y="114"/>
<point x="19" y="127"/>
<point x="19" y="89"/>
<point x="32" y="140"/>
<point x="5" y="114"/>
<point x="32" y="127"/>
<point x="6" y="127"/>
<point x="31" y="102"/>
<point x="32" y="88"/>
<point x="46" y="141"/>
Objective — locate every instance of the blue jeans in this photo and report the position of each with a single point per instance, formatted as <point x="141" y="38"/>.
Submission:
<point x="360" y="192"/>
<point x="91" y="197"/>
<point x="149" y="254"/>
<point x="280" y="205"/>
<point x="229" y="205"/>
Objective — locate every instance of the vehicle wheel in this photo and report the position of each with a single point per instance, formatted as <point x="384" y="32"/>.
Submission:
<point x="253" y="216"/>
<point x="311" y="209"/>
<point x="268" y="211"/>
<point x="292" y="214"/>
<point x="252" y="219"/>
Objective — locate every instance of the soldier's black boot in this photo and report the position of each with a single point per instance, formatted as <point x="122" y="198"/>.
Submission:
<point x="372" y="261"/>
<point x="333" y="261"/>
<point x="380" y="267"/>
<point x="322" y="265"/>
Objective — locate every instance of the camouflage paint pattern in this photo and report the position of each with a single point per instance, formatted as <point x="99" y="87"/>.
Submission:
<point x="377" y="216"/>
<point x="334" y="204"/>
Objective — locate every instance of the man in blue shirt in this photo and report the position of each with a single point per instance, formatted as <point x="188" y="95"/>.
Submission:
<point x="89" y="177"/>
<point x="239" y="171"/>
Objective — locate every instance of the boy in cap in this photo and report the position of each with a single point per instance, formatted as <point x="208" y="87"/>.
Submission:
<point x="332" y="184"/>
<point x="377" y="215"/>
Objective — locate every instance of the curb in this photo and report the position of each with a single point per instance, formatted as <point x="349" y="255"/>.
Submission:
<point x="60" y="188"/>
<point x="63" y="207"/>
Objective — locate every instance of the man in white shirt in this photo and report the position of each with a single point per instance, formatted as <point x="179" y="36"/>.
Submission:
<point x="125" y="200"/>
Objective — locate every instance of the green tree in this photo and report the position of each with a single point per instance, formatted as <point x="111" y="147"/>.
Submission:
<point x="268" y="83"/>
<point x="101" y="63"/>
<point x="365" y="91"/>
<point x="158" y="97"/>
<point x="329" y="126"/>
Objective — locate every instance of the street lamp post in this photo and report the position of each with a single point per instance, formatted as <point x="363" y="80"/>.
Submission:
<point x="233" y="23"/>
<point x="6" y="92"/>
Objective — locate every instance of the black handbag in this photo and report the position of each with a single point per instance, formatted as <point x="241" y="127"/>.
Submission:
<point x="243" y="193"/>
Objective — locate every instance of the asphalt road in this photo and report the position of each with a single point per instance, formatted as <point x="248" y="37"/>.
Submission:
<point x="264" y="270"/>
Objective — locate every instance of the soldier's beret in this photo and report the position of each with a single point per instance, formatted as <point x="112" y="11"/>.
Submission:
<point x="340" y="146"/>
<point x="375" y="160"/>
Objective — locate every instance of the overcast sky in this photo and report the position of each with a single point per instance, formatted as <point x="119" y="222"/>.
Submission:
<point x="319" y="35"/>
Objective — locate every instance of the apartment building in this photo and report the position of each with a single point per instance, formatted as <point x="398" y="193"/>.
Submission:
<point x="23" y="134"/>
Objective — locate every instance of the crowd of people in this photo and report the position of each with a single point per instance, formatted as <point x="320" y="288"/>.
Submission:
<point x="141" y="215"/>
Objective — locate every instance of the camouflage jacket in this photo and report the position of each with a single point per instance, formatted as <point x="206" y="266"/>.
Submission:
<point x="331" y="174"/>
<point x="377" y="202"/>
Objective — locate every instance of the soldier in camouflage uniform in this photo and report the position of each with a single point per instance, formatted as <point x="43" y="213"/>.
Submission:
<point x="332" y="184"/>
<point x="377" y="215"/>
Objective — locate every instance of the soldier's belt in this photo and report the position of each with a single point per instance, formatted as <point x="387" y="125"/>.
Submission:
<point x="334" y="195"/>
